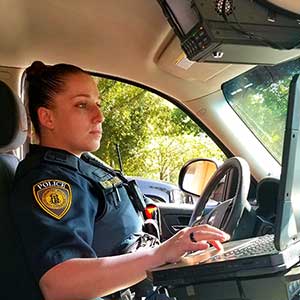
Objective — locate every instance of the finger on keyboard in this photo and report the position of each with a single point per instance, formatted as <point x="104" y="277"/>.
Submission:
<point x="217" y="244"/>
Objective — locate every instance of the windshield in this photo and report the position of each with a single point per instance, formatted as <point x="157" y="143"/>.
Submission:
<point x="260" y="97"/>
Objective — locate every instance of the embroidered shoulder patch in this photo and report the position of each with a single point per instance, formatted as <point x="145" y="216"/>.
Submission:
<point x="53" y="196"/>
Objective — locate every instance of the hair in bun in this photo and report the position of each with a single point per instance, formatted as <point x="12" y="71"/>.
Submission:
<point x="36" y="69"/>
<point x="44" y="82"/>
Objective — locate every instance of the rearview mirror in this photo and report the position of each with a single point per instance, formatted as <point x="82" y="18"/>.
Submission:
<point x="195" y="174"/>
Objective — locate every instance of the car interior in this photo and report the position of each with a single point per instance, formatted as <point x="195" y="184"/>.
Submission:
<point x="13" y="135"/>
<point x="142" y="43"/>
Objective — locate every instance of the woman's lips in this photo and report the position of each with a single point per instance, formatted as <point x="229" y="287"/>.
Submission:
<point x="96" y="132"/>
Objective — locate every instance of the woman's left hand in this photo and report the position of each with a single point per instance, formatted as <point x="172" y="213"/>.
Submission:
<point x="191" y="239"/>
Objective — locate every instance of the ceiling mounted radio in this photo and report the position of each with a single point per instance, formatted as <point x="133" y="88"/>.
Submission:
<point x="234" y="31"/>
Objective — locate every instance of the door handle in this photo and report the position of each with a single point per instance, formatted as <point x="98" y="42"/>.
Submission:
<point x="178" y="227"/>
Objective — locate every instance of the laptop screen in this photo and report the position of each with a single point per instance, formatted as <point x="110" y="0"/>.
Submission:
<point x="288" y="217"/>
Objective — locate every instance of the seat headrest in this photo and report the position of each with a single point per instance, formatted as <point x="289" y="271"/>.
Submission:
<point x="13" y="121"/>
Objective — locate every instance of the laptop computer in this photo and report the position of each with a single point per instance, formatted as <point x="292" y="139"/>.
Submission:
<point x="243" y="258"/>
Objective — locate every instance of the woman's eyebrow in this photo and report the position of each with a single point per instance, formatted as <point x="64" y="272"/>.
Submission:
<point x="87" y="96"/>
<point x="81" y="95"/>
<point x="84" y="95"/>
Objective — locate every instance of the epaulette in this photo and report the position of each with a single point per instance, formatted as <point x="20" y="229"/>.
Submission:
<point x="61" y="158"/>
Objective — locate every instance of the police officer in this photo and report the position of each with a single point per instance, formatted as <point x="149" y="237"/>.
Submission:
<point x="75" y="218"/>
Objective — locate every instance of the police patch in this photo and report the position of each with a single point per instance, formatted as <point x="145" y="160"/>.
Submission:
<point x="53" y="196"/>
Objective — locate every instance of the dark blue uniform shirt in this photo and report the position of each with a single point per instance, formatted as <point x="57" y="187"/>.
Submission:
<point x="64" y="208"/>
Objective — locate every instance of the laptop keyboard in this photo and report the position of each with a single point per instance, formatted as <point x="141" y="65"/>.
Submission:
<point x="260" y="246"/>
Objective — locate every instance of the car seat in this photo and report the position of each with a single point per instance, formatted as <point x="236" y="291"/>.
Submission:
<point x="14" y="273"/>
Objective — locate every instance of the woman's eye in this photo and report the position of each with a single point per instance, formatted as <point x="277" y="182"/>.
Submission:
<point x="82" y="105"/>
<point x="98" y="105"/>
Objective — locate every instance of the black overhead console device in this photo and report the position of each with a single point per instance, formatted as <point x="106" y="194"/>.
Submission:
<point x="233" y="31"/>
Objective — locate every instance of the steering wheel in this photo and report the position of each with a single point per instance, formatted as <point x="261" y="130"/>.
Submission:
<point x="227" y="214"/>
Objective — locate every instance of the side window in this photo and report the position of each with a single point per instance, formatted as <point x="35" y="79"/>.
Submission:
<point x="150" y="139"/>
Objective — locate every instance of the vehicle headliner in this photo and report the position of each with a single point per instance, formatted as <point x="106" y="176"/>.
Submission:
<point x="129" y="39"/>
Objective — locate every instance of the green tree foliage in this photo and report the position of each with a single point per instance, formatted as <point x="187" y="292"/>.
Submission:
<point x="183" y="123"/>
<point x="264" y="110"/>
<point x="165" y="155"/>
<point x="155" y="138"/>
<point x="260" y="97"/>
<point x="126" y="116"/>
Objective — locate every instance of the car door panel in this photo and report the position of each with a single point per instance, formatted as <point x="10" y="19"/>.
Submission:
<point x="172" y="217"/>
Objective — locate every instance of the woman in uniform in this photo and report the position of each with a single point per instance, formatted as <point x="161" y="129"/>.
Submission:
<point x="74" y="217"/>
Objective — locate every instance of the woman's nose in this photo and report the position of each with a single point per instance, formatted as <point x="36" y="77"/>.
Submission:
<point x="98" y="115"/>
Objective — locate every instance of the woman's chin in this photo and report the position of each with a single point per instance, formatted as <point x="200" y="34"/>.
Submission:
<point x="94" y="147"/>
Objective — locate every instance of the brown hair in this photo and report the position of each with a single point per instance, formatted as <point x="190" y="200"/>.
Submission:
<point x="44" y="82"/>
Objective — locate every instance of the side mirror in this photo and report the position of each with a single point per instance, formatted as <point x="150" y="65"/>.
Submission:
<point x="195" y="174"/>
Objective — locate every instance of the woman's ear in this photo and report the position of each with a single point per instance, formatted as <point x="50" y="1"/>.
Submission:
<point x="45" y="116"/>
